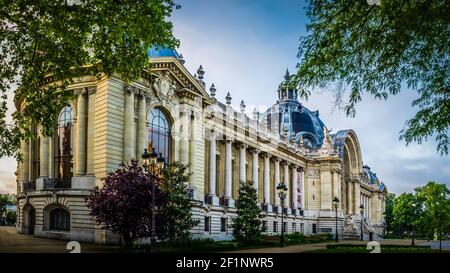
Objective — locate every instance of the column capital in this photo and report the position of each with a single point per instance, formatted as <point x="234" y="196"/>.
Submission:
<point x="267" y="155"/>
<point x="79" y="91"/>
<point x="196" y="115"/>
<point x="277" y="159"/>
<point x="91" y="90"/>
<point x="286" y="163"/>
<point x="242" y="145"/>
<point x="256" y="150"/>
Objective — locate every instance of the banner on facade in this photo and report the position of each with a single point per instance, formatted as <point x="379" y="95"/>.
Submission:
<point x="299" y="189"/>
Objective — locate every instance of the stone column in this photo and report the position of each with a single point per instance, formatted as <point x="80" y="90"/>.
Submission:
<point x="277" y="181"/>
<point x="43" y="155"/>
<point x="212" y="197"/>
<point x="228" y="173"/>
<point x="50" y="156"/>
<point x="80" y="164"/>
<point x="129" y="139"/>
<point x="286" y="182"/>
<point x="31" y="158"/>
<point x="90" y="132"/>
<point x="350" y="197"/>
<point x="242" y="162"/>
<point x="193" y="149"/>
<point x="184" y="140"/>
<point x="294" y="188"/>
<point x="357" y="191"/>
<point x="142" y="134"/>
<point x="336" y="187"/>
<point x="267" y="181"/>
<point x="255" y="175"/>
<point x="26" y="161"/>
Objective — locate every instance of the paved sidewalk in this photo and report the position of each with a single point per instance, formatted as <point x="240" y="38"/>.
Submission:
<point x="318" y="246"/>
<point x="11" y="242"/>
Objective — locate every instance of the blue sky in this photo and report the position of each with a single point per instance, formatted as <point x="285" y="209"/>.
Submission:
<point x="245" y="47"/>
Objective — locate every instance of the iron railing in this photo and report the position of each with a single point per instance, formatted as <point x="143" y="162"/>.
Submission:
<point x="57" y="183"/>
<point x="29" y="186"/>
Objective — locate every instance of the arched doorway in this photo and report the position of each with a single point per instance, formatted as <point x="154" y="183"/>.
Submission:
<point x="29" y="219"/>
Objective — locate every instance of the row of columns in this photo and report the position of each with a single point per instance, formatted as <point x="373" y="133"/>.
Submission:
<point x="84" y="130"/>
<point x="135" y="139"/>
<point x="365" y="201"/>
<point x="290" y="175"/>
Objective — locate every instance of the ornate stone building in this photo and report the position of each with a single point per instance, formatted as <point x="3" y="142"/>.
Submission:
<point x="110" y="122"/>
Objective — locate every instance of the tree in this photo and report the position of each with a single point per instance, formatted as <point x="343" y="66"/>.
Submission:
<point x="5" y="201"/>
<point x="357" y="47"/>
<point x="407" y="212"/>
<point x="247" y="226"/>
<point x="389" y="214"/>
<point x="123" y="204"/>
<point x="11" y="217"/>
<point x="436" y="202"/>
<point x="176" y="209"/>
<point x="65" y="40"/>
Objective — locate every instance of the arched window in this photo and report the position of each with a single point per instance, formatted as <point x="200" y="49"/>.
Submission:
<point x="159" y="133"/>
<point x="59" y="219"/>
<point x="64" y="145"/>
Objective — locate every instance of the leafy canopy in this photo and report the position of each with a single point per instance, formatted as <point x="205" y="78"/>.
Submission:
<point x="247" y="225"/>
<point x="124" y="203"/>
<point x="65" y="40"/>
<point x="356" y="47"/>
<point x="176" y="209"/>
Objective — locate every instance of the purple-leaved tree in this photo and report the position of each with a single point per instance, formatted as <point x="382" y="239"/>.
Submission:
<point x="123" y="204"/>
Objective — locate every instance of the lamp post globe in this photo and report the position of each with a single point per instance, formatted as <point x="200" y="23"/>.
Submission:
<point x="336" y="206"/>
<point x="282" y="191"/>
<point x="361" y="209"/>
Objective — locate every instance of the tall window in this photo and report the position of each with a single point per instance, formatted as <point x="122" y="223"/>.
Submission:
<point x="64" y="144"/>
<point x="59" y="219"/>
<point x="159" y="133"/>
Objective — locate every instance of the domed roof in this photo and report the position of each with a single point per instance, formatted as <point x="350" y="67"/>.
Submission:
<point x="290" y="118"/>
<point x="159" y="51"/>
<point x="370" y="176"/>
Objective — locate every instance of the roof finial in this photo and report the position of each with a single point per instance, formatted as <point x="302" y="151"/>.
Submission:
<point x="228" y="98"/>
<point x="200" y="73"/>
<point x="212" y="91"/>
<point x="181" y="59"/>
<point x="287" y="76"/>
<point x="242" y="106"/>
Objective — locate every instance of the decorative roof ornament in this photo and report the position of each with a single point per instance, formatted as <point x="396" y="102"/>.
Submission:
<point x="212" y="91"/>
<point x="255" y="114"/>
<point x="242" y="105"/>
<point x="201" y="73"/>
<point x="228" y="98"/>
<point x="181" y="59"/>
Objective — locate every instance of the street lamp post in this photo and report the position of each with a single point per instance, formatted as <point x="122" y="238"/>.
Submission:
<point x="282" y="190"/>
<point x="361" y="209"/>
<point x="336" y="205"/>
<point x="153" y="165"/>
<point x="413" y="224"/>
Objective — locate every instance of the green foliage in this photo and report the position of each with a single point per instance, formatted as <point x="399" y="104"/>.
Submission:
<point x="177" y="208"/>
<point x="247" y="225"/>
<point x="41" y="38"/>
<point x="11" y="217"/>
<point x="5" y="200"/>
<point x="427" y="210"/>
<point x="356" y="47"/>
<point x="436" y="202"/>
<point x="389" y="212"/>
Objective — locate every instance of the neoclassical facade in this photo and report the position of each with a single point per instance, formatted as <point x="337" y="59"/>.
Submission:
<point x="110" y="122"/>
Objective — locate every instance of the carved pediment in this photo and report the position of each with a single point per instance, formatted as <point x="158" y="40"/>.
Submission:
<point x="169" y="77"/>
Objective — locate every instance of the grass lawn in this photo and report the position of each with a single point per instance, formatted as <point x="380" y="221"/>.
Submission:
<point x="384" y="249"/>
